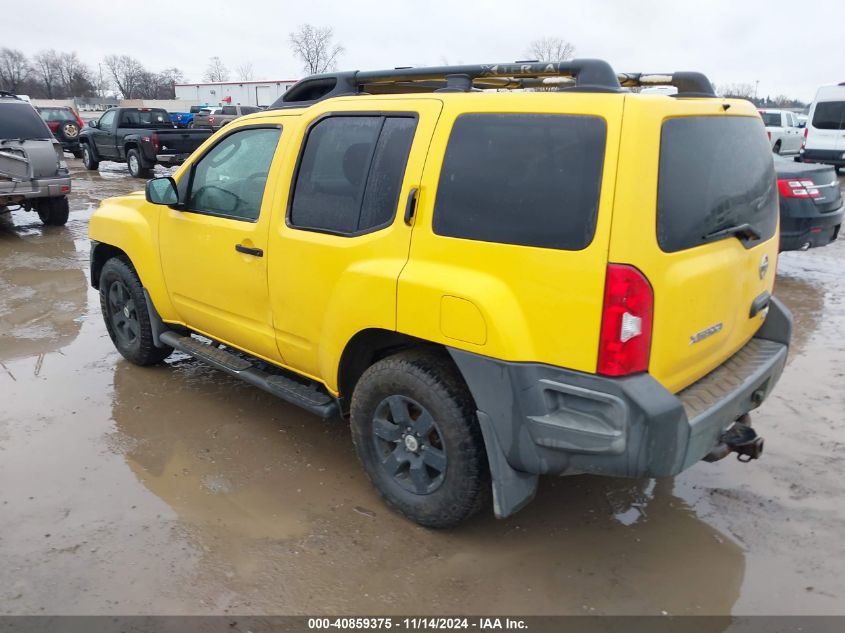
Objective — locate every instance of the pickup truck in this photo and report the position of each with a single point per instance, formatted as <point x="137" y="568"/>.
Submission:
<point x="226" y="114"/>
<point x="184" y="119"/>
<point x="139" y="137"/>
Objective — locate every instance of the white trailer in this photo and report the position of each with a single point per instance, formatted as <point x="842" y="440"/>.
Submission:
<point x="254" y="93"/>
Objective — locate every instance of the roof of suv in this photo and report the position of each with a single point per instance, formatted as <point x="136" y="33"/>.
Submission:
<point x="580" y="75"/>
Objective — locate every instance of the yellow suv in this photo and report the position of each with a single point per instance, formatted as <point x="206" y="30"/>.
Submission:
<point x="492" y="281"/>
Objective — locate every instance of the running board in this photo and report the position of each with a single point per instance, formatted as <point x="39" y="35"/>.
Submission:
<point x="310" y="398"/>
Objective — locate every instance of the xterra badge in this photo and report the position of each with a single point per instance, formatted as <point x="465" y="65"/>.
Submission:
<point x="695" y="338"/>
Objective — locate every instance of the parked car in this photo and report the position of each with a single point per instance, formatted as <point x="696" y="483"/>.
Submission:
<point x="201" y="117"/>
<point x="784" y="134"/>
<point x="811" y="208"/>
<point x="491" y="285"/>
<point x="33" y="172"/>
<point x="139" y="137"/>
<point x="824" y="136"/>
<point x="65" y="124"/>
<point x="222" y="116"/>
<point x="184" y="119"/>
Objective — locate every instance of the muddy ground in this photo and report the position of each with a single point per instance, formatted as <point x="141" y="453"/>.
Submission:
<point x="178" y="490"/>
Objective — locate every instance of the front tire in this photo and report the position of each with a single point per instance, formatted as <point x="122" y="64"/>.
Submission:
<point x="136" y="165"/>
<point x="88" y="159"/>
<point x="125" y="313"/>
<point x="53" y="211"/>
<point x="417" y="436"/>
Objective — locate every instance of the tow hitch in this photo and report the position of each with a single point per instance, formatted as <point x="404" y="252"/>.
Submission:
<point x="740" y="439"/>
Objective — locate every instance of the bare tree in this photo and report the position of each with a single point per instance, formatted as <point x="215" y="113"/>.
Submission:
<point x="126" y="72"/>
<point x="14" y="69"/>
<point x="244" y="72"/>
<point x="313" y="46"/>
<point x="737" y="90"/>
<point x="47" y="70"/>
<point x="72" y="72"/>
<point x="216" y="70"/>
<point x="551" y="49"/>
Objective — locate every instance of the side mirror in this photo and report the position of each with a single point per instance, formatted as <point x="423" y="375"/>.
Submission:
<point x="162" y="191"/>
<point x="93" y="123"/>
<point x="802" y="124"/>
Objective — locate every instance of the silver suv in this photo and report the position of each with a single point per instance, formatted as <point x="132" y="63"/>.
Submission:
<point x="33" y="172"/>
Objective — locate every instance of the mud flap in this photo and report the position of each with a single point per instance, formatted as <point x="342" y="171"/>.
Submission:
<point x="156" y="324"/>
<point x="512" y="489"/>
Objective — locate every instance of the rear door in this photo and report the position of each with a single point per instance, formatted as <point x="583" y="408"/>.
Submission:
<point x="693" y="169"/>
<point x="827" y="126"/>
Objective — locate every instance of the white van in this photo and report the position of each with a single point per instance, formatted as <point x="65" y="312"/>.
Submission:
<point x="824" y="136"/>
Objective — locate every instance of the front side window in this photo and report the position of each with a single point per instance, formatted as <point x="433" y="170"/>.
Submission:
<point x="351" y="173"/>
<point x="107" y="120"/>
<point x="526" y="179"/>
<point x="229" y="180"/>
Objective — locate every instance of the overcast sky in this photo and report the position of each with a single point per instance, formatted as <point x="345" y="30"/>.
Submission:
<point x="791" y="46"/>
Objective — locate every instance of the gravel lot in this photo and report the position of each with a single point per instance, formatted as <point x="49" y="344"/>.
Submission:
<point x="175" y="489"/>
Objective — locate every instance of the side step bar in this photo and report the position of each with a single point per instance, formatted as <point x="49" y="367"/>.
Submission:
<point x="308" y="397"/>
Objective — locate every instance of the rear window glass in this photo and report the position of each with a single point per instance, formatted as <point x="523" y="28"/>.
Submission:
<point x="145" y="118"/>
<point x="771" y="119"/>
<point x="227" y="110"/>
<point x="56" y="114"/>
<point x="249" y="110"/>
<point x="20" y="120"/>
<point x="715" y="173"/>
<point x="527" y="179"/>
<point x="829" y="115"/>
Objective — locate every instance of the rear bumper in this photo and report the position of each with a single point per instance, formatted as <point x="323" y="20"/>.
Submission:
<point x="12" y="192"/>
<point x="827" y="156"/>
<point x="812" y="229"/>
<point x="538" y="419"/>
<point x="171" y="159"/>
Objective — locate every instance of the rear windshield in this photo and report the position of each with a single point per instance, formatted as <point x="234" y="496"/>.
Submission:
<point x="771" y="119"/>
<point x="715" y="173"/>
<point x="829" y="115"/>
<point x="20" y="120"/>
<point x="56" y="114"/>
<point x="145" y="118"/>
<point x="528" y="179"/>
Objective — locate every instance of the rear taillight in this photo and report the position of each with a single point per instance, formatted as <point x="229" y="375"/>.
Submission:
<point x="791" y="188"/>
<point x="154" y="141"/>
<point x="211" y="119"/>
<point x="804" y="142"/>
<point x="79" y="120"/>
<point x="53" y="125"/>
<point x="769" y="134"/>
<point x="626" y="320"/>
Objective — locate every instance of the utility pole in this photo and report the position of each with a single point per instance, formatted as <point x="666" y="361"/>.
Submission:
<point x="756" y="85"/>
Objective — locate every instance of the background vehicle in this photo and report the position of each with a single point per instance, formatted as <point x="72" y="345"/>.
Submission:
<point x="139" y="137"/>
<point x="388" y="257"/>
<point x="184" y="119"/>
<point x="824" y="136"/>
<point x="33" y="173"/>
<point x="223" y="116"/>
<point x="65" y="124"/>
<point x="782" y="127"/>
<point x="201" y="117"/>
<point x="811" y="208"/>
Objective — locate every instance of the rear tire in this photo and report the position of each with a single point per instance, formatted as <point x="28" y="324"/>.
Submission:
<point x="53" y="211"/>
<point x="136" y="165"/>
<point x="88" y="159"/>
<point x="415" y="430"/>
<point x="125" y="313"/>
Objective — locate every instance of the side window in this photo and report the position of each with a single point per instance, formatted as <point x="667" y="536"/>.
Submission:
<point x="229" y="110"/>
<point x="107" y="120"/>
<point x="229" y="180"/>
<point x="351" y="173"/>
<point x="527" y="179"/>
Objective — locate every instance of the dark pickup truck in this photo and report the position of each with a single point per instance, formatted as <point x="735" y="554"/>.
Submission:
<point x="139" y="137"/>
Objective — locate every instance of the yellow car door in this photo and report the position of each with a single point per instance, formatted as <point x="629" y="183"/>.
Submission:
<point x="213" y="247"/>
<point x="335" y="261"/>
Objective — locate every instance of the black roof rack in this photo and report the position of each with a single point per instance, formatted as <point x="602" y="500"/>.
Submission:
<point x="583" y="75"/>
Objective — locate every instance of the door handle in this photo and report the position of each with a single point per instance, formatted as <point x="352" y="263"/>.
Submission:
<point x="246" y="250"/>
<point x="411" y="205"/>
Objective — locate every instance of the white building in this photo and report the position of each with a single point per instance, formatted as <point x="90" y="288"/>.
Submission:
<point x="254" y="93"/>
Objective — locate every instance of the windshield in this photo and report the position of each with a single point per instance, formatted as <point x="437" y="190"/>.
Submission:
<point x="771" y="119"/>
<point x="20" y="120"/>
<point x="145" y="118"/>
<point x="56" y="114"/>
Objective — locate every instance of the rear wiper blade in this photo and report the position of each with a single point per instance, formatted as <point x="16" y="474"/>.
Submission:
<point x="741" y="231"/>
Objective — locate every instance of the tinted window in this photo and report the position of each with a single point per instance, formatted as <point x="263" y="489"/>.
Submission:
<point x="248" y="110"/>
<point x="229" y="110"/>
<point x="715" y="172"/>
<point x="524" y="179"/>
<point x="771" y="119"/>
<point x="229" y="180"/>
<point x="20" y="120"/>
<point x="57" y="114"/>
<point x="351" y="172"/>
<point x="107" y="120"/>
<point x="829" y="115"/>
<point x="145" y="118"/>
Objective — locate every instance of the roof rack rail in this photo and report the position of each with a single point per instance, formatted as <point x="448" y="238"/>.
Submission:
<point x="583" y="75"/>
